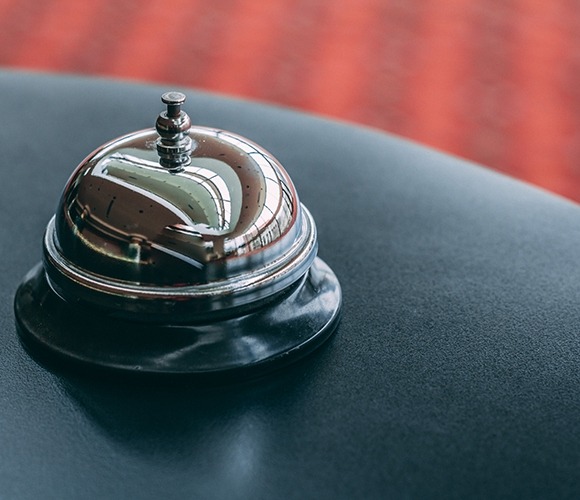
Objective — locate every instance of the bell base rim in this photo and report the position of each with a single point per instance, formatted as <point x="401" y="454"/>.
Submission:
<point x="62" y="336"/>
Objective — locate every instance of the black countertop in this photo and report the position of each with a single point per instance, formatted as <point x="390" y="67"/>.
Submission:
<point x="454" y="373"/>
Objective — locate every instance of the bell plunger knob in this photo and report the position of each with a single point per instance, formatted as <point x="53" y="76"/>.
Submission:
<point x="174" y="144"/>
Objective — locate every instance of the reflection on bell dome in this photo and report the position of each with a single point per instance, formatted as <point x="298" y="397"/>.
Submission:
<point x="123" y="215"/>
<point x="230" y="213"/>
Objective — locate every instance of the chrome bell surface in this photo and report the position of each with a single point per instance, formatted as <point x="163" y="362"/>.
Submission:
<point x="179" y="249"/>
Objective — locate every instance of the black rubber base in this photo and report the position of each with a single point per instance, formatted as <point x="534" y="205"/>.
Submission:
<point x="279" y="333"/>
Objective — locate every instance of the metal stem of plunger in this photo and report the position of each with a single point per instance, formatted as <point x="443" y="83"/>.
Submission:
<point x="174" y="144"/>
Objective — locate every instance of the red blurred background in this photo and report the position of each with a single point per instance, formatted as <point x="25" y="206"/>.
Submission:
<point x="495" y="81"/>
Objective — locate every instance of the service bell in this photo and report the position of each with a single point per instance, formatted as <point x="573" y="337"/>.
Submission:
<point x="180" y="249"/>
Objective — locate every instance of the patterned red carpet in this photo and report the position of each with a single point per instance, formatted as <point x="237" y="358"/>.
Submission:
<point x="495" y="81"/>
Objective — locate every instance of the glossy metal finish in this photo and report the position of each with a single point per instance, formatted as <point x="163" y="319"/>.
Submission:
<point x="223" y="231"/>
<point x="179" y="228"/>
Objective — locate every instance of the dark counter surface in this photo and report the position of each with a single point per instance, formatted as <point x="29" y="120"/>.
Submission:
<point x="454" y="373"/>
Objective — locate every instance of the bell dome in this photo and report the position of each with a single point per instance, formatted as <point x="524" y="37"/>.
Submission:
<point x="220" y="229"/>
